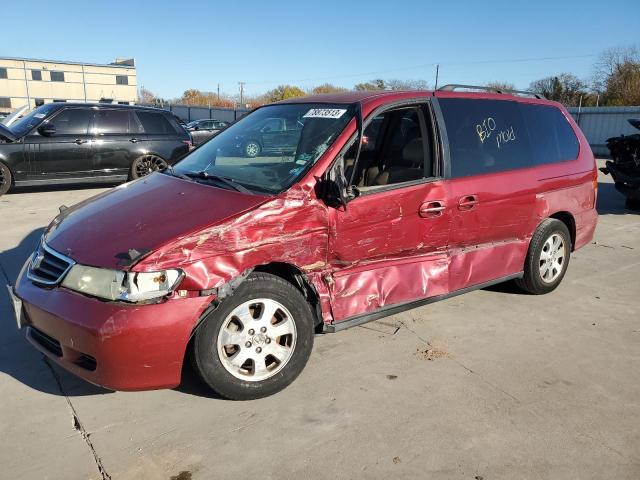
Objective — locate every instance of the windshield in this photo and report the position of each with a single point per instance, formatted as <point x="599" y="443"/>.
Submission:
<point x="32" y="119"/>
<point x="269" y="149"/>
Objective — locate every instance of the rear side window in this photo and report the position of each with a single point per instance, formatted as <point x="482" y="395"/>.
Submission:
<point x="72" y="121"/>
<point x="155" y="123"/>
<point x="108" y="122"/>
<point x="551" y="137"/>
<point x="485" y="136"/>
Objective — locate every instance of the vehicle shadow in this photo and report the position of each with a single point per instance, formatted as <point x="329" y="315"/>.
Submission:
<point x="18" y="359"/>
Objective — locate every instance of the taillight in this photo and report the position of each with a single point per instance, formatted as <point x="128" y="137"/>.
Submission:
<point x="189" y="144"/>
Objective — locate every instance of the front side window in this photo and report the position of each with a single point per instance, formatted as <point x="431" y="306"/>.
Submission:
<point x="57" y="76"/>
<point x="109" y="122"/>
<point x="72" y="121"/>
<point x="485" y="136"/>
<point x="394" y="148"/>
<point x="258" y="153"/>
<point x="32" y="119"/>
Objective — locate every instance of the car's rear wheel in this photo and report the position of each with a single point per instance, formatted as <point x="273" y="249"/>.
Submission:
<point x="547" y="259"/>
<point x="147" y="164"/>
<point x="257" y="341"/>
<point x="5" y="178"/>
<point x="252" y="149"/>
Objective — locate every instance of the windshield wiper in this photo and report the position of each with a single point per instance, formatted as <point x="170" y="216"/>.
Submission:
<point x="171" y="171"/>
<point x="229" y="182"/>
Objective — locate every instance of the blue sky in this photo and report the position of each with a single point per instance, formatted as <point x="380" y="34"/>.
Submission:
<point x="198" y="44"/>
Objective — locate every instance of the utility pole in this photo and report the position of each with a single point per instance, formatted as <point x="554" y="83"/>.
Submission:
<point x="241" y="91"/>
<point x="218" y="93"/>
<point x="437" y="72"/>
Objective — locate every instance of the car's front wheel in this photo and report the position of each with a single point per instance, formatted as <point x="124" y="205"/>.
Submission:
<point x="547" y="259"/>
<point x="145" y="165"/>
<point x="5" y="179"/>
<point x="257" y="341"/>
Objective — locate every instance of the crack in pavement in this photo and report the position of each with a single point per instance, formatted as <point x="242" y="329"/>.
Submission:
<point x="77" y="424"/>
<point x="404" y="325"/>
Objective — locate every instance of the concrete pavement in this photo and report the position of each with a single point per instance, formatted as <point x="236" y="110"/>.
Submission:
<point x="492" y="385"/>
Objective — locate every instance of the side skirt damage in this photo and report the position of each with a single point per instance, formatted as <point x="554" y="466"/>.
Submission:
<point x="398" y="308"/>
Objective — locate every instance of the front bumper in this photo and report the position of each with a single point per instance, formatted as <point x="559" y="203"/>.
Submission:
<point x="110" y="344"/>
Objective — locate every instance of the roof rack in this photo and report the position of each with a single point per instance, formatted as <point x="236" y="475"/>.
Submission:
<point x="454" y="86"/>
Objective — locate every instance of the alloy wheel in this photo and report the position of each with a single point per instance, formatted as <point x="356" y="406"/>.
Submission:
<point x="149" y="164"/>
<point x="257" y="339"/>
<point x="552" y="258"/>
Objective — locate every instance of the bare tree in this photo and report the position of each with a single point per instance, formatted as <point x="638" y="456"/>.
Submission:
<point x="610" y="61"/>
<point x="565" y="88"/>
<point x="396" y="84"/>
<point x="496" y="85"/>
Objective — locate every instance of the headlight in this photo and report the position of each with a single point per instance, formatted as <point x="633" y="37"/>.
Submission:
<point x="117" y="285"/>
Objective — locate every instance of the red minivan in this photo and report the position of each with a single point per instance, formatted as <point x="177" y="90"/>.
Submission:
<point x="366" y="204"/>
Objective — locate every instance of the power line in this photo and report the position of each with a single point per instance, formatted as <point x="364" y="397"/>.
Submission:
<point x="424" y="65"/>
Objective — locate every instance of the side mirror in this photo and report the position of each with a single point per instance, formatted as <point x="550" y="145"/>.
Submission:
<point x="47" y="130"/>
<point x="333" y="189"/>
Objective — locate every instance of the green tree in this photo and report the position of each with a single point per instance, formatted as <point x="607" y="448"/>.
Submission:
<point x="283" y="92"/>
<point x="327" y="88"/>
<point x="377" y="84"/>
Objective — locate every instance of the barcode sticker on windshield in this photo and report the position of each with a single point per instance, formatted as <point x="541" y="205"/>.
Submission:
<point x="325" y="113"/>
<point x="39" y="115"/>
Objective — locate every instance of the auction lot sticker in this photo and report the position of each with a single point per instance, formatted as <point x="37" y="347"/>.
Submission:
<point x="325" y="113"/>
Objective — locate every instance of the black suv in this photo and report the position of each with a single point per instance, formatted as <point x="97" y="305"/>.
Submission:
<point x="80" y="142"/>
<point x="203" y="130"/>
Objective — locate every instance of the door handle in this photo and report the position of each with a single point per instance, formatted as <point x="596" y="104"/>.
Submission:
<point x="133" y="140"/>
<point x="468" y="202"/>
<point x="431" y="209"/>
<point x="79" y="141"/>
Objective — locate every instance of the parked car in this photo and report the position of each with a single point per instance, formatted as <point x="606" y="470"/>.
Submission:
<point x="270" y="136"/>
<point x="240" y="262"/>
<point x="203" y="130"/>
<point x="81" y="142"/>
<point x="624" y="165"/>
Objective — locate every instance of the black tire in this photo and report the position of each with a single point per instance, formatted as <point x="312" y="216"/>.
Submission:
<point x="146" y="164"/>
<point x="205" y="354"/>
<point x="252" y="149"/>
<point x="5" y="179"/>
<point x="532" y="281"/>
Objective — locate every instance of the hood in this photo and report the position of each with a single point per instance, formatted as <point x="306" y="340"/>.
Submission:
<point x="7" y="133"/>
<point x="117" y="227"/>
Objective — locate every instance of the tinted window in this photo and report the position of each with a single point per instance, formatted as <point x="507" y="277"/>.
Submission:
<point x="72" y="121"/>
<point x="485" y="136"/>
<point x="122" y="80"/>
<point x="155" y="122"/>
<point x="36" y="75"/>
<point x="552" y="138"/>
<point x="111" y="121"/>
<point x="3" y="72"/>
<point x="57" y="76"/>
